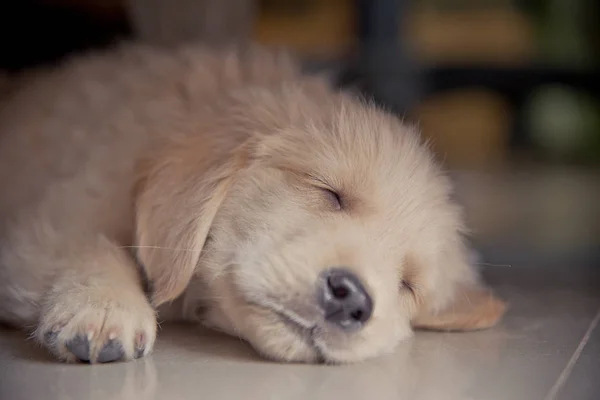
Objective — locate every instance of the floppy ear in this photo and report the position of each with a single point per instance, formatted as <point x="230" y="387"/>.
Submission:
<point x="472" y="307"/>
<point x="452" y="297"/>
<point x="177" y="194"/>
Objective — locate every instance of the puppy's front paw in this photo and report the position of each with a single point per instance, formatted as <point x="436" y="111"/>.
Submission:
<point x="97" y="328"/>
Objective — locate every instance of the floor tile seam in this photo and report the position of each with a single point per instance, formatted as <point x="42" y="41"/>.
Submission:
<point x="568" y="369"/>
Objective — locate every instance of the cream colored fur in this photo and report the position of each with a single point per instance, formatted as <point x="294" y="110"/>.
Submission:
<point x="212" y="166"/>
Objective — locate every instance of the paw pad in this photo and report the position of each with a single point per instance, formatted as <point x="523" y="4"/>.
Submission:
<point x="111" y="351"/>
<point x="80" y="347"/>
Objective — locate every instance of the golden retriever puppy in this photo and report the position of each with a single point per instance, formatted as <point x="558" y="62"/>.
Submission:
<point x="224" y="188"/>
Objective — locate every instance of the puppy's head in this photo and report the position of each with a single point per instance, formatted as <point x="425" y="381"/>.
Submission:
<point x="310" y="224"/>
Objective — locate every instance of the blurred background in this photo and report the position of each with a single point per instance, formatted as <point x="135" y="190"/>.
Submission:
<point x="507" y="90"/>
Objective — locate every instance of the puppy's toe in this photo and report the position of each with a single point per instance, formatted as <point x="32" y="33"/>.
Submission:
<point x="140" y="345"/>
<point x="111" y="351"/>
<point x="80" y="347"/>
<point x="50" y="337"/>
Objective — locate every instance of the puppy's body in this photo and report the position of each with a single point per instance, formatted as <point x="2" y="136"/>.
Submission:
<point x="154" y="149"/>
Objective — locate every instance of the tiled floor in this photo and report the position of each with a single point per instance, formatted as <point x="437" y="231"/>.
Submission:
<point x="548" y="346"/>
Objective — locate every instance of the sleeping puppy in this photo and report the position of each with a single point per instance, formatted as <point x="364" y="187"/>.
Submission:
<point x="228" y="189"/>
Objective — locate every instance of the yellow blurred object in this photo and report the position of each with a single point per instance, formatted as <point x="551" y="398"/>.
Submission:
<point x="315" y="28"/>
<point x="471" y="36"/>
<point x="468" y="128"/>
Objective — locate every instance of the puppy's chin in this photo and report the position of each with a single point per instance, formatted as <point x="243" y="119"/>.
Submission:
<point x="334" y="352"/>
<point x="279" y="340"/>
<point x="272" y="335"/>
<point x="279" y="336"/>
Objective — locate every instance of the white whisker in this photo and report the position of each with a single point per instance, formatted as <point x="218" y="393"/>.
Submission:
<point x="494" y="265"/>
<point x="160" y="248"/>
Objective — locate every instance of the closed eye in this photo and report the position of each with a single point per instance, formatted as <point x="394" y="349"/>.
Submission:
<point x="334" y="198"/>
<point x="407" y="285"/>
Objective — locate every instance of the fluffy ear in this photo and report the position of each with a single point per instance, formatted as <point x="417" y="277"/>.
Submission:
<point x="178" y="192"/>
<point x="472" y="307"/>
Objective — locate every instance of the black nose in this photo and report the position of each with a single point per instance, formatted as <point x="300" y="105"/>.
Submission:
<point x="344" y="299"/>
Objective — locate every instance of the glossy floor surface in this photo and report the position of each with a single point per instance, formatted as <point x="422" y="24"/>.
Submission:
<point x="546" y="263"/>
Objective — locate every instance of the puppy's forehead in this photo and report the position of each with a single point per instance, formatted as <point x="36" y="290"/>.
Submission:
<point x="350" y="144"/>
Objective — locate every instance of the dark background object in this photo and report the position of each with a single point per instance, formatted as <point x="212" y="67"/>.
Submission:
<point x="34" y="32"/>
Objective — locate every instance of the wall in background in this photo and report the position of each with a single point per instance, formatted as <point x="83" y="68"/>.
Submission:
<point x="491" y="82"/>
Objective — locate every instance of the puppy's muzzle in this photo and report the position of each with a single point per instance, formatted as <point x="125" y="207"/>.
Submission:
<point x="344" y="300"/>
